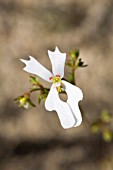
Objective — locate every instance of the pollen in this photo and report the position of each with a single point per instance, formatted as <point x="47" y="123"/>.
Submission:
<point x="56" y="79"/>
<point x="58" y="89"/>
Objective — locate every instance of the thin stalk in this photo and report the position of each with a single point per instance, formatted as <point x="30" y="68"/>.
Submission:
<point x="37" y="89"/>
<point x="73" y="76"/>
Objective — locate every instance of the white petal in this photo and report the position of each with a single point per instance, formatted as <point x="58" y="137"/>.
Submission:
<point x="58" y="61"/>
<point x="74" y="96"/>
<point x="63" y="110"/>
<point x="34" y="67"/>
<point x="50" y="100"/>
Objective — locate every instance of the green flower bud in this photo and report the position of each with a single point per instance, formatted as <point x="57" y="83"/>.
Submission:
<point x="74" y="54"/>
<point x="105" y="116"/>
<point x="107" y="135"/>
<point x="24" y="101"/>
<point x="95" y="127"/>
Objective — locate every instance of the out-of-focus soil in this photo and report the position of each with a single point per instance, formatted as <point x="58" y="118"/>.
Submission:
<point x="34" y="139"/>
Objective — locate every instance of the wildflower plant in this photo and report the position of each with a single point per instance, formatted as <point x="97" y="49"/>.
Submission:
<point x="69" y="112"/>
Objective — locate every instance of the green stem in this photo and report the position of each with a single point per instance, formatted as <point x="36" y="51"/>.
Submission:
<point x="73" y="76"/>
<point x="37" y="89"/>
<point x="33" y="90"/>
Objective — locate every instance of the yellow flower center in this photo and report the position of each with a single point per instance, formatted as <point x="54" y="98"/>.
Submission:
<point x="56" y="80"/>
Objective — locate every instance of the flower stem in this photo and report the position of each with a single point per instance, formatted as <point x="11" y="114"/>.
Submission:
<point x="73" y="76"/>
<point x="37" y="89"/>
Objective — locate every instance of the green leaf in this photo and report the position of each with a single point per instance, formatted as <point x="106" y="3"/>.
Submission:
<point x="74" y="54"/>
<point x="34" y="80"/>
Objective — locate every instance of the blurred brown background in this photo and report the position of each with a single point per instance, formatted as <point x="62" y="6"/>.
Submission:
<point x="34" y="139"/>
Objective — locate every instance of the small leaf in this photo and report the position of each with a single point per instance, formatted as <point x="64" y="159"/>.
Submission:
<point x="31" y="103"/>
<point x="18" y="98"/>
<point x="34" y="80"/>
<point x="81" y="63"/>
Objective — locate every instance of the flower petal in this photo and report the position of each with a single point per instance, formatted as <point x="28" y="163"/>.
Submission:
<point x="63" y="110"/>
<point x="58" y="61"/>
<point x="50" y="100"/>
<point x="34" y="67"/>
<point x="74" y="96"/>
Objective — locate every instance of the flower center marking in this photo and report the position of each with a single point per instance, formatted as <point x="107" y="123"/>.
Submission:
<point x="56" y="80"/>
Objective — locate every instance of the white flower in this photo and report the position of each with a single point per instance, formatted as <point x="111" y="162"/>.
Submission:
<point x="68" y="112"/>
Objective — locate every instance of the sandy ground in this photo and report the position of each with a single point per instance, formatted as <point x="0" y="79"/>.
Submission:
<point x="33" y="139"/>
